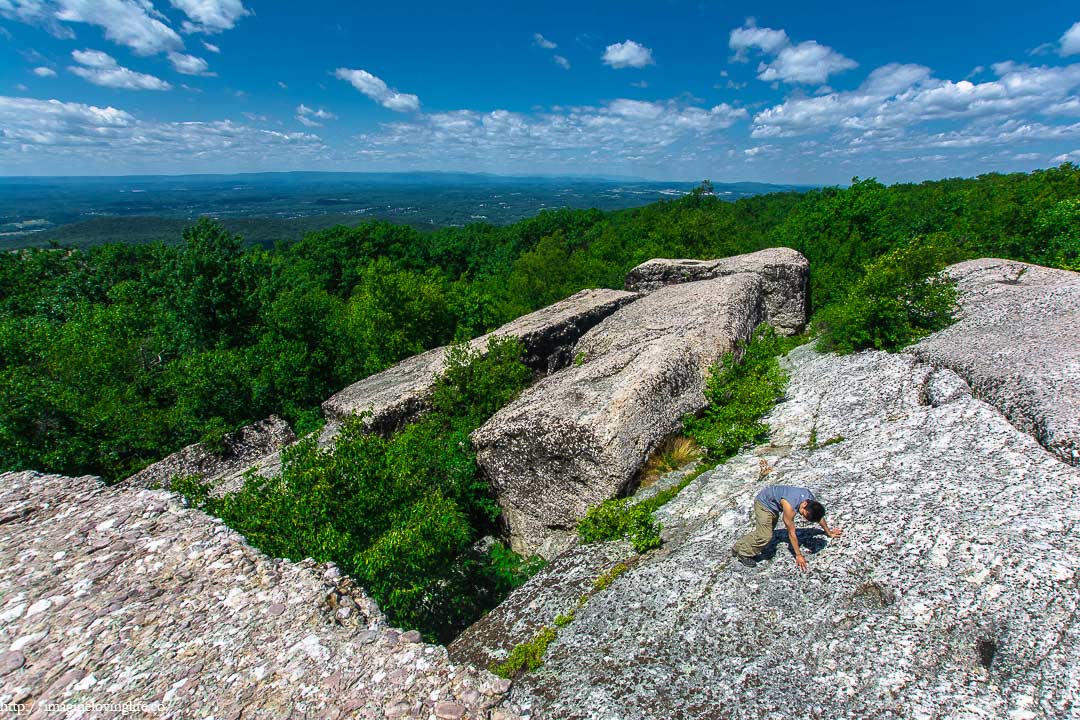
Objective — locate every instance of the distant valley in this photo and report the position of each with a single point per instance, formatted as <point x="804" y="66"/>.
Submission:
<point x="268" y="207"/>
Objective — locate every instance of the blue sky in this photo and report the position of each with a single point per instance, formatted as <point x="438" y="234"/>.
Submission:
<point x="782" y="92"/>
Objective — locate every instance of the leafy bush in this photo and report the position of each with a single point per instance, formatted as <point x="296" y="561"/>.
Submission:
<point x="619" y="518"/>
<point x="902" y="296"/>
<point x="739" y="395"/>
<point x="399" y="514"/>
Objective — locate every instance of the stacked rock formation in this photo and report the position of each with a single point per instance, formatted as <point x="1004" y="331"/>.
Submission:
<point x="580" y="436"/>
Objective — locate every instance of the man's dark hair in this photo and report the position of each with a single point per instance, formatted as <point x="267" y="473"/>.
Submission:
<point x="814" y="510"/>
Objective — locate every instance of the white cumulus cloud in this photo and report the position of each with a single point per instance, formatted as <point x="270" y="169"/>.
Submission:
<point x="44" y="72"/>
<point x="189" y="64"/>
<point x="807" y="62"/>
<point x="750" y="36"/>
<point x="211" y="47"/>
<point x="628" y="54"/>
<point x="101" y="69"/>
<point x="543" y="42"/>
<point x="1070" y="41"/>
<point x="210" y="16"/>
<point x="52" y="134"/>
<point x="378" y="90"/>
<point x="133" y="23"/>
<point x="311" y="117"/>
<point x="561" y="62"/>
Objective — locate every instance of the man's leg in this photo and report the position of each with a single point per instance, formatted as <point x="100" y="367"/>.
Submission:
<point x="754" y="542"/>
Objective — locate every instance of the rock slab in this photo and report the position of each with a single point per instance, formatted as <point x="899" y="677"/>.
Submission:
<point x="243" y="448"/>
<point x="953" y="592"/>
<point x="578" y="437"/>
<point x="401" y="393"/>
<point x="121" y="595"/>
<point x="1017" y="343"/>
<point x="785" y="275"/>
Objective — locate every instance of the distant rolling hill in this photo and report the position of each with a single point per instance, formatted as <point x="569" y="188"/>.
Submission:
<point x="268" y="207"/>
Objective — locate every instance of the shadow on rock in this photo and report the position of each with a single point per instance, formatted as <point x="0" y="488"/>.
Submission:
<point x="811" y="540"/>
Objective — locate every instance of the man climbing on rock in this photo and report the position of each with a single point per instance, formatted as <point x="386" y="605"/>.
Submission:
<point x="771" y="503"/>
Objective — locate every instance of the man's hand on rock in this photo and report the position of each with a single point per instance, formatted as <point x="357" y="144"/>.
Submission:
<point x="834" y="532"/>
<point x="801" y="562"/>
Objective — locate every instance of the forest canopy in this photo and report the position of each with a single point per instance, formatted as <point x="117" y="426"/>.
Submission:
<point x="115" y="356"/>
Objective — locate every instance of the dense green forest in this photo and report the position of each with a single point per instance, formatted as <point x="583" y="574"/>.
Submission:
<point x="114" y="356"/>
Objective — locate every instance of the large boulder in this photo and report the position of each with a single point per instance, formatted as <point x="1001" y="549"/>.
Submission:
<point x="401" y="393"/>
<point x="784" y="272"/>
<point x="579" y="437"/>
<point x="220" y="469"/>
<point x="1017" y="343"/>
<point x="952" y="593"/>
<point x="122" y="596"/>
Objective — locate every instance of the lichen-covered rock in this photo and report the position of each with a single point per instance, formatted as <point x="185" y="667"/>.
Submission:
<point x="952" y="593"/>
<point x="556" y="590"/>
<point x="401" y="393"/>
<point x="785" y="276"/>
<point x="122" y="596"/>
<point x="1017" y="343"/>
<point x="579" y="436"/>
<point x="243" y="449"/>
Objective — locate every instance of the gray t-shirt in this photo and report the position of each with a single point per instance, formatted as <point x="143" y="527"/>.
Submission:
<point x="771" y="496"/>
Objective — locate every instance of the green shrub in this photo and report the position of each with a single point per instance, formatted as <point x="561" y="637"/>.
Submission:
<point x="901" y="297"/>
<point x="616" y="519"/>
<point x="399" y="514"/>
<point x="739" y="395"/>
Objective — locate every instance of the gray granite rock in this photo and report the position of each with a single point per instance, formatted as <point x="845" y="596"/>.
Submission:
<point x="785" y="275"/>
<point x="952" y="593"/>
<point x="121" y="595"/>
<point x="401" y="393"/>
<point x="243" y="449"/>
<point x="579" y="437"/>
<point x="1017" y="343"/>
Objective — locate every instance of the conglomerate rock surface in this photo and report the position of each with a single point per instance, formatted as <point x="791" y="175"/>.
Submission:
<point x="579" y="436"/>
<point x="1017" y="342"/>
<point x="399" y="394"/>
<point x="114" y="596"/>
<point x="951" y="594"/>
<point x="784" y="272"/>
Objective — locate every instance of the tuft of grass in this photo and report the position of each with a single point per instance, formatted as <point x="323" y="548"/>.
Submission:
<point x="564" y="619"/>
<point x="605" y="580"/>
<point x="525" y="656"/>
<point x="674" y="453"/>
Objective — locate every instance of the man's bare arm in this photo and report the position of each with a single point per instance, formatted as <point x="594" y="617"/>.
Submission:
<point x="789" y="522"/>
<point x="834" y="533"/>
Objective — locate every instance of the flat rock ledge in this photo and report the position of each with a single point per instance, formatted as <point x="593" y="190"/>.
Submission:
<point x="243" y="449"/>
<point x="1017" y="343"/>
<point x="785" y="275"/>
<point x="112" y="596"/>
<point x="953" y="592"/>
<point x="401" y="393"/>
<point x="578" y="437"/>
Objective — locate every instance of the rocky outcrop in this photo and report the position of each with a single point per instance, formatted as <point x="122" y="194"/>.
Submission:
<point x="578" y="437"/>
<point x="121" y="596"/>
<point x="952" y="593"/>
<point x="401" y="393"/>
<point x="1017" y="342"/>
<point x="222" y="470"/>
<point x="785" y="276"/>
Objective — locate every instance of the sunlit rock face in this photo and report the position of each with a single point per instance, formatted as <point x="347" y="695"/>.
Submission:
<point x="952" y="593"/>
<point x="1017" y="342"/>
